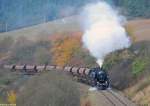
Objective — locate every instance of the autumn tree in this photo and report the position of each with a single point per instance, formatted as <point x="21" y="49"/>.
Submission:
<point x="64" y="48"/>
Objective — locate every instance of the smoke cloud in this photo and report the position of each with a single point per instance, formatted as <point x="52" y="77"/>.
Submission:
<point x="103" y="30"/>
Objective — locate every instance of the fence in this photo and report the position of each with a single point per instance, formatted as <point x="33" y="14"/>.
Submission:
<point x="3" y="27"/>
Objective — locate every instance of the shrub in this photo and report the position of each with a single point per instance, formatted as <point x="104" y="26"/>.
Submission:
<point x="49" y="89"/>
<point x="111" y="60"/>
<point x="139" y="65"/>
<point x="117" y="57"/>
<point x="11" y="97"/>
<point x="83" y="58"/>
<point x="4" y="81"/>
<point x="42" y="56"/>
<point x="26" y="51"/>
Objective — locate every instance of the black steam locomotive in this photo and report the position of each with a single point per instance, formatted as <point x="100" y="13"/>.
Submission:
<point x="99" y="78"/>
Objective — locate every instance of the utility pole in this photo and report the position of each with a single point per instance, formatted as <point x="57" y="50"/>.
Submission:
<point x="6" y="27"/>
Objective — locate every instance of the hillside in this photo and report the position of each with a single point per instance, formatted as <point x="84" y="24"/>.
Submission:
<point x="139" y="29"/>
<point x="54" y="88"/>
<point x="129" y="66"/>
<point x="70" y="24"/>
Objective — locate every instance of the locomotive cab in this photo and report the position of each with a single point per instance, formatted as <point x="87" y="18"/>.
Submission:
<point x="99" y="78"/>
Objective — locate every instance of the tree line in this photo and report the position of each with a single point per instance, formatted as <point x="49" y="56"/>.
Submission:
<point x="21" y="13"/>
<point x="134" y="8"/>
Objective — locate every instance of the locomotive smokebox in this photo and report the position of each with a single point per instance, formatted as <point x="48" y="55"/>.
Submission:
<point x="99" y="78"/>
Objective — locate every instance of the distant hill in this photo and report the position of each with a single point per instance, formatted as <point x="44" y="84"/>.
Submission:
<point x="69" y="24"/>
<point x="139" y="29"/>
<point x="20" y="13"/>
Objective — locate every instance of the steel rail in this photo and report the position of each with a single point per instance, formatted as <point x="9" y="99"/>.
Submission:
<point x="109" y="91"/>
<point x="108" y="99"/>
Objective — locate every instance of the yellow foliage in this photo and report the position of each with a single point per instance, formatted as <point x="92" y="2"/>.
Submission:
<point x="130" y="32"/>
<point x="11" y="97"/>
<point x="64" y="48"/>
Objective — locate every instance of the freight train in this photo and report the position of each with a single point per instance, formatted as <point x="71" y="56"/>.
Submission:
<point x="94" y="76"/>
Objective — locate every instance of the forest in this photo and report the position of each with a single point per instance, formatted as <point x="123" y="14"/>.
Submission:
<point x="134" y="8"/>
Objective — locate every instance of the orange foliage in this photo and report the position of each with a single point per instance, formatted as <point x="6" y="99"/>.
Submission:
<point x="64" y="47"/>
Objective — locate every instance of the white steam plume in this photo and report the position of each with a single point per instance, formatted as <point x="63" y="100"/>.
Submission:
<point x="104" y="31"/>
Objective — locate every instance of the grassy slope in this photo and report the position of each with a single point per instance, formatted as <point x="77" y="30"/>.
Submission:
<point x="140" y="30"/>
<point x="70" y="24"/>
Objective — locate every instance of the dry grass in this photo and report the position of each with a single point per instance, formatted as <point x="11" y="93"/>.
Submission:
<point x="139" y="93"/>
<point x="139" y="29"/>
<point x="69" y="24"/>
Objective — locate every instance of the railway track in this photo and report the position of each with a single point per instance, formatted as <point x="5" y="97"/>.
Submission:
<point x="108" y="98"/>
<point x="115" y="99"/>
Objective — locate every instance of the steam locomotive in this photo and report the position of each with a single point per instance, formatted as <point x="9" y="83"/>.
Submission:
<point x="94" y="76"/>
<point x="99" y="78"/>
